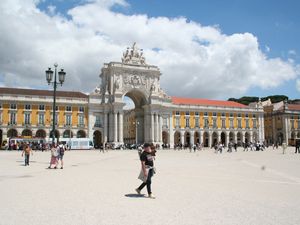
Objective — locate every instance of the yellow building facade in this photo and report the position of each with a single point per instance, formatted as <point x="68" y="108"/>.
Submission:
<point x="28" y="113"/>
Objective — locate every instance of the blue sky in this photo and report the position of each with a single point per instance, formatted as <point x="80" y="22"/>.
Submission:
<point x="252" y="46"/>
<point x="275" y="23"/>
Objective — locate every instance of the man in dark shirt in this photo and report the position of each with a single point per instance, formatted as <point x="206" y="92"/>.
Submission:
<point x="147" y="170"/>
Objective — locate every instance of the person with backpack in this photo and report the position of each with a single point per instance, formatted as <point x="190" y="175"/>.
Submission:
<point x="61" y="152"/>
<point x="54" y="156"/>
<point x="27" y="150"/>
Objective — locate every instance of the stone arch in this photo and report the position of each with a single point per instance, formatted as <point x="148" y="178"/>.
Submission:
<point x="239" y="138"/>
<point x="11" y="133"/>
<point x="27" y="132"/>
<point x="139" y="98"/>
<point x="187" y="138"/>
<point x="40" y="133"/>
<point x="197" y="137"/>
<point x="177" y="136"/>
<point x="255" y="137"/>
<point x="97" y="138"/>
<point x="223" y="138"/>
<point x="165" y="138"/>
<point x="56" y="134"/>
<point x="231" y="136"/>
<point x="279" y="138"/>
<point x="205" y="139"/>
<point x="214" y="138"/>
<point x="67" y="134"/>
<point x="247" y="137"/>
<point x="293" y="135"/>
<point x="81" y="134"/>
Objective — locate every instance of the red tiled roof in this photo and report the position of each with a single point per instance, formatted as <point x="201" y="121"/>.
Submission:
<point x="207" y="102"/>
<point x="20" y="91"/>
<point x="294" y="107"/>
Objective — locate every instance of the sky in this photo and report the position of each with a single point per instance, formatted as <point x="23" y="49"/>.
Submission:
<point x="205" y="49"/>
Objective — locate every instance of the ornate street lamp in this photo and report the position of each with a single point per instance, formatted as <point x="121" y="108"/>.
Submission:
<point x="61" y="80"/>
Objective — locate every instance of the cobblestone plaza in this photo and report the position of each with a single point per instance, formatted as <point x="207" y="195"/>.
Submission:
<point x="246" y="188"/>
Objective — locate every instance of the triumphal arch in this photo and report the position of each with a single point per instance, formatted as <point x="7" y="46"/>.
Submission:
<point x="134" y="78"/>
<point x="159" y="118"/>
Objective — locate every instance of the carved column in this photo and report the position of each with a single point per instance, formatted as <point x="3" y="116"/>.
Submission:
<point x="121" y="127"/>
<point x="156" y="127"/>
<point x="115" y="127"/>
<point x="105" y="129"/>
<point x="171" y="135"/>
<point x="192" y="139"/>
<point x="152" y="128"/>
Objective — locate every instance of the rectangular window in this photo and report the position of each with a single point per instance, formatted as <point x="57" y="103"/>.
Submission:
<point x="177" y="122"/>
<point x="68" y="120"/>
<point x="223" y="123"/>
<point x="214" y="123"/>
<point x="177" y="113"/>
<point x="246" y="115"/>
<point x="254" y="123"/>
<point x="81" y="109"/>
<point x="292" y="124"/>
<point x="68" y="108"/>
<point x="197" y="121"/>
<point x="239" y="123"/>
<point x="231" y="124"/>
<point x="231" y="115"/>
<point x="0" y="106"/>
<point x="27" y="118"/>
<point x="196" y="113"/>
<point x="97" y="122"/>
<point x="206" y="123"/>
<point x="42" y="107"/>
<point x="298" y="123"/>
<point x="205" y="113"/>
<point x="41" y="119"/>
<point x="165" y="122"/>
<point x="13" y="118"/>
<point x="56" y="118"/>
<point x="239" y="115"/>
<point x="27" y="107"/>
<point x="187" y="122"/>
<point x="254" y="116"/>
<point x="214" y="114"/>
<point x="13" y="106"/>
<point x="223" y="114"/>
<point x="247" y="124"/>
<point x="56" y="108"/>
<point x="187" y="113"/>
<point x="81" y="120"/>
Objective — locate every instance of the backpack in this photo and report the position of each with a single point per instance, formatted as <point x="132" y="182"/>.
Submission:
<point x="61" y="150"/>
<point x="27" y="151"/>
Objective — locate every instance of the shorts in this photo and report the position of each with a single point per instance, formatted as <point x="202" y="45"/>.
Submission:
<point x="60" y="157"/>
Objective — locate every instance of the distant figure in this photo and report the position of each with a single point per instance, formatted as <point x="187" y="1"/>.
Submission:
<point x="61" y="152"/>
<point x="297" y="147"/>
<point x="27" y="150"/>
<point x="54" y="154"/>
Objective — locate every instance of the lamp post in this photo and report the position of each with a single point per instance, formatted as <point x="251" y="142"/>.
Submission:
<point x="61" y="79"/>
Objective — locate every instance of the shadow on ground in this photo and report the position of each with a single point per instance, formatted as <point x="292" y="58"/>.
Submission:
<point x="134" y="196"/>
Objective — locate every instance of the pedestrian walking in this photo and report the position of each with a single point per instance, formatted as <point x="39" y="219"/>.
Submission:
<point x="54" y="155"/>
<point x="147" y="170"/>
<point x="61" y="152"/>
<point x="26" y="151"/>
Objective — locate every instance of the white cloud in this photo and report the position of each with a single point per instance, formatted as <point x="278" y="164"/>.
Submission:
<point x="195" y="60"/>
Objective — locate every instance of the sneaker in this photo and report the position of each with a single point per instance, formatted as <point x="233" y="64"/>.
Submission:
<point x="151" y="196"/>
<point x="138" y="191"/>
<point x="61" y="167"/>
<point x="55" y="167"/>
